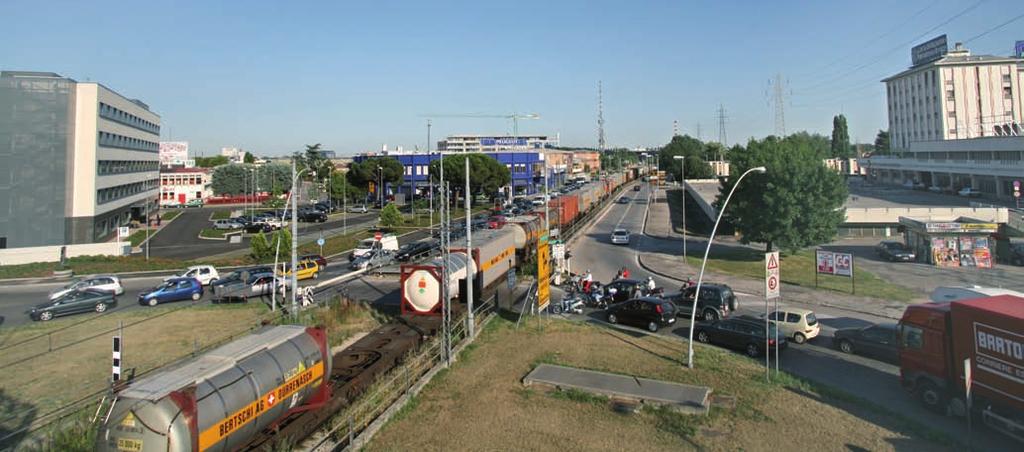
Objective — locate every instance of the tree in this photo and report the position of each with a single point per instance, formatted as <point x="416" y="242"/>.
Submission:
<point x="390" y="216"/>
<point x="616" y="159"/>
<point x="259" y="249"/>
<point x="342" y="188"/>
<point x="314" y="160"/>
<point x="249" y="158"/>
<point x="693" y="150"/>
<point x="237" y="179"/>
<point x="210" y="162"/>
<point x="882" y="142"/>
<point x="361" y="174"/>
<point x="840" y="138"/>
<point x="486" y="175"/>
<point x="797" y="203"/>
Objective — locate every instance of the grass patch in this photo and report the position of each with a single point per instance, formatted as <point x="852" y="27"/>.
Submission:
<point x="799" y="269"/>
<point x="88" y="265"/>
<point x="486" y="392"/>
<point x="221" y="215"/>
<point x="211" y="233"/>
<point x="169" y="215"/>
<point x="138" y="237"/>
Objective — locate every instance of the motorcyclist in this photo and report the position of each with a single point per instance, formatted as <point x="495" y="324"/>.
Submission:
<point x="588" y="279"/>
<point x="625" y="273"/>
<point x="650" y="284"/>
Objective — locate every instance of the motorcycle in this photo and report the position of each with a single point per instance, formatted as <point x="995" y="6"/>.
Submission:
<point x="571" y="303"/>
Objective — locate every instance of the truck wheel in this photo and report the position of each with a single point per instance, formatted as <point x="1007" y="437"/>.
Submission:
<point x="931" y="397"/>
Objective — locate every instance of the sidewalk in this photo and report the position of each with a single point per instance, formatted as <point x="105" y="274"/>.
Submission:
<point x="661" y="253"/>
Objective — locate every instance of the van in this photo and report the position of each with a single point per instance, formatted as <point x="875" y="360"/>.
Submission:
<point x="387" y="242"/>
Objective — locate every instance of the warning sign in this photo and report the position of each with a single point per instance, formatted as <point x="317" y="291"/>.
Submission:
<point x="771" y="275"/>
<point x="543" y="273"/>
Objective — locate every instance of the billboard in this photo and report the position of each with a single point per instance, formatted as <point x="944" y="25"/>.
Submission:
<point x="173" y="152"/>
<point x="504" y="141"/>
<point x="929" y="51"/>
<point x="825" y="262"/>
<point x="1018" y="49"/>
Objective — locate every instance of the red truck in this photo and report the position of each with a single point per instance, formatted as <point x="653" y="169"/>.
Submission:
<point x="935" y="339"/>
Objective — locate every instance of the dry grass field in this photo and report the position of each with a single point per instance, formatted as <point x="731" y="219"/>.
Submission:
<point x="481" y="404"/>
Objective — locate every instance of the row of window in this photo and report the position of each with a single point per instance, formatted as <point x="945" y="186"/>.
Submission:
<point x="1004" y="156"/>
<point x="117" y="115"/>
<point x="113" y="140"/>
<point x="107" y="167"/>
<point x="422" y="170"/>
<point x="181" y="180"/>
<point x="105" y="195"/>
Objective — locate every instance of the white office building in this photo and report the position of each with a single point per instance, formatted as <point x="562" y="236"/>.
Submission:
<point x="77" y="160"/>
<point x="491" y="143"/>
<point x="953" y="95"/>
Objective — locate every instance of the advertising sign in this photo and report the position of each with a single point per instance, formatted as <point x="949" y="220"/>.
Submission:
<point x="1018" y="49"/>
<point x="982" y="253"/>
<point x="543" y="273"/>
<point x="929" y="51"/>
<point x="173" y="152"/>
<point x="825" y="261"/>
<point x="504" y="141"/>
<point x="944" y="252"/>
<point x="843" y="264"/>
<point x="961" y="227"/>
<point x="771" y="275"/>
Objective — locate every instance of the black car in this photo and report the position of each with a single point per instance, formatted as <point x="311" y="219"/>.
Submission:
<point x="74" y="302"/>
<point x="255" y="228"/>
<point x="648" y="312"/>
<point x="877" y="341"/>
<point x="895" y="252"/>
<point x="413" y="250"/>
<point x="312" y="216"/>
<point x="624" y="289"/>
<point x="739" y="333"/>
<point x="716" y="301"/>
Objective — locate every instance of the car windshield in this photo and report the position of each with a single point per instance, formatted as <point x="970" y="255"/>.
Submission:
<point x="167" y="285"/>
<point x="811" y="319"/>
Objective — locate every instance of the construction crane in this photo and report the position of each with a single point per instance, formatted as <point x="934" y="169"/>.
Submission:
<point x="515" y="117"/>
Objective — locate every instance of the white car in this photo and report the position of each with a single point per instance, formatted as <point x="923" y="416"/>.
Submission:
<point x="104" y="283"/>
<point x="969" y="192"/>
<point x="620" y="237"/>
<point x="358" y="209"/>
<point x="800" y="325"/>
<point x="204" y="273"/>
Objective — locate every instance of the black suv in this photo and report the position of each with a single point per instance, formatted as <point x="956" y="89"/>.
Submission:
<point x="894" y="252"/>
<point x="716" y="301"/>
<point x="413" y="250"/>
<point x="647" y="312"/>
<point x="740" y="333"/>
<point x="312" y="216"/>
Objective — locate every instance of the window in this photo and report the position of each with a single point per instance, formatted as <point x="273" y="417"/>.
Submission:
<point x="1007" y="93"/>
<point x="911" y="337"/>
<point x="792" y="318"/>
<point x="950" y="95"/>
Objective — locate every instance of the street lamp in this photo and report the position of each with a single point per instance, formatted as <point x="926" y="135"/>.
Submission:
<point x="700" y="277"/>
<point x="380" y="186"/>
<point x="682" y="183"/>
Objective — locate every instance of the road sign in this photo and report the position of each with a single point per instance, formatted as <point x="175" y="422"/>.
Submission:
<point x="116" y="368"/>
<point x="771" y="275"/>
<point x="122" y="232"/>
<point x="377" y="235"/>
<point x="1016" y="189"/>
<point x="320" y="241"/>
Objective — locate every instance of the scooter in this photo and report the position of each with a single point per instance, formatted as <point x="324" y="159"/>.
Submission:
<point x="571" y="303"/>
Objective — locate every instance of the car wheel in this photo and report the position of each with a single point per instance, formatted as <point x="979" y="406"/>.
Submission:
<point x="931" y="397"/>
<point x="101" y="307"/>
<point x="709" y="315"/>
<point x="652" y="327"/>
<point x="612" y="318"/>
<point x="153" y="302"/>
<point x="210" y="282"/>
<point x="845" y="346"/>
<point x="752" y="351"/>
<point x="45" y="315"/>
<point x="702" y="336"/>
<point x="196" y="296"/>
<point x="799" y="338"/>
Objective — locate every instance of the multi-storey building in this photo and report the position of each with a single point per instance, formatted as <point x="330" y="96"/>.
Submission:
<point x="952" y="95"/>
<point x="485" y="143"/>
<point x="77" y="160"/>
<point x="178" y="186"/>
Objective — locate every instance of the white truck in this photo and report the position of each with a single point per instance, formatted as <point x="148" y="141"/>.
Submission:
<point x="387" y="242"/>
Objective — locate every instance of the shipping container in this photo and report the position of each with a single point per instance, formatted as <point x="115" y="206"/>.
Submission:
<point x="565" y="209"/>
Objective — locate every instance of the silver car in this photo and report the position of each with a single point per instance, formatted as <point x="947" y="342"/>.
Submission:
<point x="620" y="237"/>
<point x="103" y="283"/>
<point x="256" y="285"/>
<point x="375" y="259"/>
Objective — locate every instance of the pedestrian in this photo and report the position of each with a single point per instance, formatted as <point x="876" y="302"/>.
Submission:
<point x="650" y="284"/>
<point x="588" y="279"/>
<point x="158" y="219"/>
<point x="618" y="275"/>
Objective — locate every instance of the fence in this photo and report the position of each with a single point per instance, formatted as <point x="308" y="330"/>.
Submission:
<point x="28" y="255"/>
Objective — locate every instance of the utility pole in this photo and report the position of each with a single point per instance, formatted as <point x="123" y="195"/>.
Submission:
<point x="721" y="128"/>
<point x="779" y="101"/>
<point x="295" y="241"/>
<point x="470" y="277"/>
<point x="698" y="131"/>
<point x="600" y="118"/>
<point x="430" y="183"/>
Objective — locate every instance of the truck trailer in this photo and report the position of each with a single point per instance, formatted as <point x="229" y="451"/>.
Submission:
<point x="939" y="340"/>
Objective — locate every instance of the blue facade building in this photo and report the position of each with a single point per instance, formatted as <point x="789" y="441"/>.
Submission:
<point x="527" y="169"/>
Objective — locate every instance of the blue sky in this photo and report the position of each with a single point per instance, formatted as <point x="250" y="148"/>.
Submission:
<point x="272" y="76"/>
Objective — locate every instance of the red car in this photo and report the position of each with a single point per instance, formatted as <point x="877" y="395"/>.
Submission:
<point x="496" y="222"/>
<point x="320" y="260"/>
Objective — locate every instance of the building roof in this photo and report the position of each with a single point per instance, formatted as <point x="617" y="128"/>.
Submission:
<point x="37" y="74"/>
<point x="184" y="170"/>
<point x="955" y="58"/>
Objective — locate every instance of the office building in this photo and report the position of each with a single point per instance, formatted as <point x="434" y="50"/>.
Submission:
<point x="489" y="143"/>
<point x="77" y="160"/>
<point x="234" y="155"/>
<point x="526" y="168"/>
<point x="954" y="95"/>
<point x="178" y="186"/>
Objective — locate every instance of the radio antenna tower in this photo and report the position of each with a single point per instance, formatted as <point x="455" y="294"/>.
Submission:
<point x="778" y="98"/>
<point x="721" y="126"/>
<point x="600" y="118"/>
<point x="675" y="128"/>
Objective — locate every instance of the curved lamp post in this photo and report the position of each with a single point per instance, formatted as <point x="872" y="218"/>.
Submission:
<point x="700" y="278"/>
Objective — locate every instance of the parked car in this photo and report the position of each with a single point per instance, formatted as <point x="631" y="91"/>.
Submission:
<point x="306" y="270"/>
<point x="716" y="301"/>
<point x="227" y="224"/>
<point x="969" y="192"/>
<point x="648" y="312"/>
<point x="1016" y="254"/>
<point x="411" y="251"/>
<point x="624" y="200"/>
<point x="256" y="285"/>
<point x="256" y="228"/>
<point x="375" y="259"/>
<point x="877" y="341"/>
<point x="74" y="302"/>
<point x="624" y="289"/>
<point x="358" y="209"/>
<point x="797" y="324"/>
<point x="620" y="237"/>
<point x="895" y="251"/>
<point x="935" y="189"/>
<point x="194" y="203"/>
<point x="238" y="275"/>
<point x="205" y="274"/>
<point x="496" y="222"/>
<point x="739" y="333"/>
<point x="312" y="216"/>
<point x="102" y="283"/>
<point x="174" y="289"/>
<point x="636" y="187"/>
<point x="320" y="260"/>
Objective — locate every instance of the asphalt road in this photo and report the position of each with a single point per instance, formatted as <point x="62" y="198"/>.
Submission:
<point x="872" y="380"/>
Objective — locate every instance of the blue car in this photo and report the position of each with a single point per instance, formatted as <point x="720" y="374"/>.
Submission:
<point x="174" y="289"/>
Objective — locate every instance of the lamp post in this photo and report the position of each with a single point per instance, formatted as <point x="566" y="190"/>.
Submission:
<point x="380" y="186"/>
<point x="700" y="278"/>
<point x="682" y="183"/>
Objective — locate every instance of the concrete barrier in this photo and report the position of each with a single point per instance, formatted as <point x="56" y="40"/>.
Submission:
<point x="28" y="255"/>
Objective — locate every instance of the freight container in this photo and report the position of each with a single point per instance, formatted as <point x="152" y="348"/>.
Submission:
<point x="565" y="209"/>
<point x="936" y="339"/>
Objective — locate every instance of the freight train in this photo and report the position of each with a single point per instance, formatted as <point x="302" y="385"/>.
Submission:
<point x="284" y="382"/>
